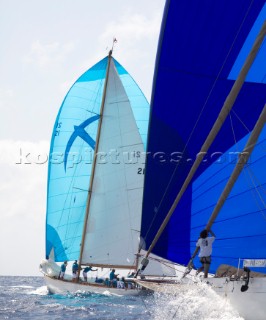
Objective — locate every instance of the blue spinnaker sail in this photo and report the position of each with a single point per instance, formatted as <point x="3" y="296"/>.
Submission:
<point x="71" y="154"/>
<point x="202" y="47"/>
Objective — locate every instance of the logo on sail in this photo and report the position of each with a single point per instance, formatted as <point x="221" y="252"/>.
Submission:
<point x="79" y="131"/>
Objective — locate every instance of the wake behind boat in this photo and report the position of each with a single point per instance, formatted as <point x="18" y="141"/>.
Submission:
<point x="95" y="178"/>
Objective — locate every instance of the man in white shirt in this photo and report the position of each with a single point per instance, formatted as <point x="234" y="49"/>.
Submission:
<point x="205" y="244"/>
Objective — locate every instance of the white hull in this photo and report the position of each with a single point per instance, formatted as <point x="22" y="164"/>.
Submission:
<point x="51" y="270"/>
<point x="250" y="304"/>
<point x="57" y="286"/>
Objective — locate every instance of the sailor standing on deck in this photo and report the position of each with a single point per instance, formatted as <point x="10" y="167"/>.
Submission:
<point x="113" y="278"/>
<point x="63" y="270"/>
<point x="205" y="244"/>
<point x="75" y="268"/>
<point x="85" y="272"/>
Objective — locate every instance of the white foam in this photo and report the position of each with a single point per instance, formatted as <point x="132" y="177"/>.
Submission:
<point x="42" y="291"/>
<point x="190" y="302"/>
<point x="24" y="287"/>
<point x="107" y="293"/>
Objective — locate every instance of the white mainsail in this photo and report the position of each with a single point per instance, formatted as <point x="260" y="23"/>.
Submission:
<point x="114" y="218"/>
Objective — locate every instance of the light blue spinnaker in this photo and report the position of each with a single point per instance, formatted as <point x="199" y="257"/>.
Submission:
<point x="71" y="155"/>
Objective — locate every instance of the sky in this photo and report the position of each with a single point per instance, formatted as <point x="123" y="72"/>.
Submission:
<point x="45" y="47"/>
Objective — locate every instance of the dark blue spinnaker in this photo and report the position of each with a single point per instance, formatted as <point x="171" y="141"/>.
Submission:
<point x="202" y="48"/>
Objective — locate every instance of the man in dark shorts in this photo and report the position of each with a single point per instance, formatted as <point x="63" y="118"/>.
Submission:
<point x="205" y="244"/>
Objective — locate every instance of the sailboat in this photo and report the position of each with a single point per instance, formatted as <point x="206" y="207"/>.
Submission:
<point x="95" y="179"/>
<point x="207" y="107"/>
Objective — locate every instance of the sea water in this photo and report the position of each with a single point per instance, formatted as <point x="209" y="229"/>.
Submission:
<point x="28" y="298"/>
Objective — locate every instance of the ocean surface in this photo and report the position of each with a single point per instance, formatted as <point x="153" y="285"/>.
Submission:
<point x="28" y="298"/>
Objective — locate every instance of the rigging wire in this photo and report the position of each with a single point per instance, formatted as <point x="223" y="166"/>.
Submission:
<point x="250" y="176"/>
<point x="259" y="202"/>
<point x="176" y="311"/>
<point x="169" y="265"/>
<point x="144" y="303"/>
<point x="251" y="179"/>
<point x="248" y="168"/>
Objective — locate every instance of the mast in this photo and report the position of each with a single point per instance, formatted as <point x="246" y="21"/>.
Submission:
<point x="243" y="158"/>
<point x="94" y="161"/>
<point x="228" y="104"/>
